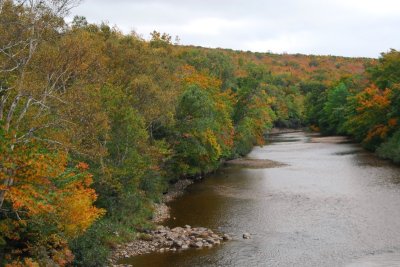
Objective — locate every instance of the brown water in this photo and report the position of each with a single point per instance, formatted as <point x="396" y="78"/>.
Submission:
<point x="334" y="204"/>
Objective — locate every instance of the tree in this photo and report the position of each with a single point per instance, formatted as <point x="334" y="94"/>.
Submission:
<point x="46" y="203"/>
<point x="33" y="22"/>
<point x="369" y="120"/>
<point x="253" y="114"/>
<point x="387" y="72"/>
<point x="196" y="145"/>
<point x="334" y="110"/>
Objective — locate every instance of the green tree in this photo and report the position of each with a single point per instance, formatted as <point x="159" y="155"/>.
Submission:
<point x="196" y="145"/>
<point x="334" y="110"/>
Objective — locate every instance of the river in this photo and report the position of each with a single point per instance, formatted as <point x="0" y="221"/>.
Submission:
<point x="332" y="204"/>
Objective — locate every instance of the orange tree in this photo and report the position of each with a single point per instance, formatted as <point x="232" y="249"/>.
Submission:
<point x="376" y="108"/>
<point x="46" y="204"/>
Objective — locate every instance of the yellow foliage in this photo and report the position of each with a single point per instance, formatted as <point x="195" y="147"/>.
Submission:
<point x="188" y="75"/>
<point x="40" y="186"/>
<point x="211" y="139"/>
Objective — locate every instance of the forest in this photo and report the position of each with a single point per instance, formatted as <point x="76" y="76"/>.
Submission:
<point x="96" y="124"/>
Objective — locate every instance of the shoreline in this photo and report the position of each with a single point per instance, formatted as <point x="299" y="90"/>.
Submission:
<point x="164" y="239"/>
<point x="275" y="131"/>
<point x="254" y="163"/>
<point x="162" y="210"/>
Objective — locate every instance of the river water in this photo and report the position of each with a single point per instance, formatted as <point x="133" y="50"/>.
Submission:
<point x="332" y="204"/>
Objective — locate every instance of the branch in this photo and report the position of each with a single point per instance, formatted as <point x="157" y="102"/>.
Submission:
<point x="11" y="112"/>
<point x="54" y="142"/>
<point x="22" y="115"/>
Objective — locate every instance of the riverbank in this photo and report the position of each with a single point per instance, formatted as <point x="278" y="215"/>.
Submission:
<point x="275" y="131"/>
<point x="164" y="239"/>
<point x="316" y="211"/>
<point x="145" y="242"/>
<point x="254" y="163"/>
<point x="161" y="210"/>
<point x="176" y="238"/>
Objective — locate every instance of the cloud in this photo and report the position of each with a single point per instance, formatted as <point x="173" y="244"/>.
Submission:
<point x="284" y="43"/>
<point x="382" y="8"/>
<point x="212" y="26"/>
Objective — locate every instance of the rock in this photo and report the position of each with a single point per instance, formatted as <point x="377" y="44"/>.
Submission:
<point x="194" y="234"/>
<point x="164" y="239"/>
<point x="178" y="243"/>
<point x="204" y="235"/>
<point x="177" y="229"/>
<point x="197" y="244"/>
<point x="211" y="241"/>
<point x="226" y="237"/>
<point x="246" y="236"/>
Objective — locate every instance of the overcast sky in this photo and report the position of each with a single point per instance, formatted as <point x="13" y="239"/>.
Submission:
<point x="326" y="27"/>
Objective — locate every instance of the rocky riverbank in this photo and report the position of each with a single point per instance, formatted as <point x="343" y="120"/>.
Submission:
<point x="161" y="210"/>
<point x="164" y="239"/>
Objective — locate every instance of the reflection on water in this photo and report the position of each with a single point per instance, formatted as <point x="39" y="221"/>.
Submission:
<point x="380" y="260"/>
<point x="348" y="152"/>
<point x="333" y="204"/>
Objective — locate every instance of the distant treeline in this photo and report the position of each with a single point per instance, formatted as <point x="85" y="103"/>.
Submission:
<point x="366" y="107"/>
<point x="95" y="124"/>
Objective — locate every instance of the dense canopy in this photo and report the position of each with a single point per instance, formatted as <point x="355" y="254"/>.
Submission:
<point x="95" y="124"/>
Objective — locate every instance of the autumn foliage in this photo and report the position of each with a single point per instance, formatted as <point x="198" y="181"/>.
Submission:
<point x="95" y="124"/>
<point x="368" y="106"/>
<point x="45" y="196"/>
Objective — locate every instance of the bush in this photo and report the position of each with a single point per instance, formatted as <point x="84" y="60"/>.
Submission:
<point x="91" y="249"/>
<point x="132" y="213"/>
<point x="391" y="148"/>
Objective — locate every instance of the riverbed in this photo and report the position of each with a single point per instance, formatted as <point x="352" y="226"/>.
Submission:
<point x="329" y="203"/>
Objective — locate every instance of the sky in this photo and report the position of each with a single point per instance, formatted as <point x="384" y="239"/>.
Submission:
<point x="356" y="28"/>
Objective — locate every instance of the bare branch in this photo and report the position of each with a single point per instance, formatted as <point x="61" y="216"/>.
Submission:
<point x="54" y="142"/>
<point x="11" y="111"/>
<point x="22" y="114"/>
